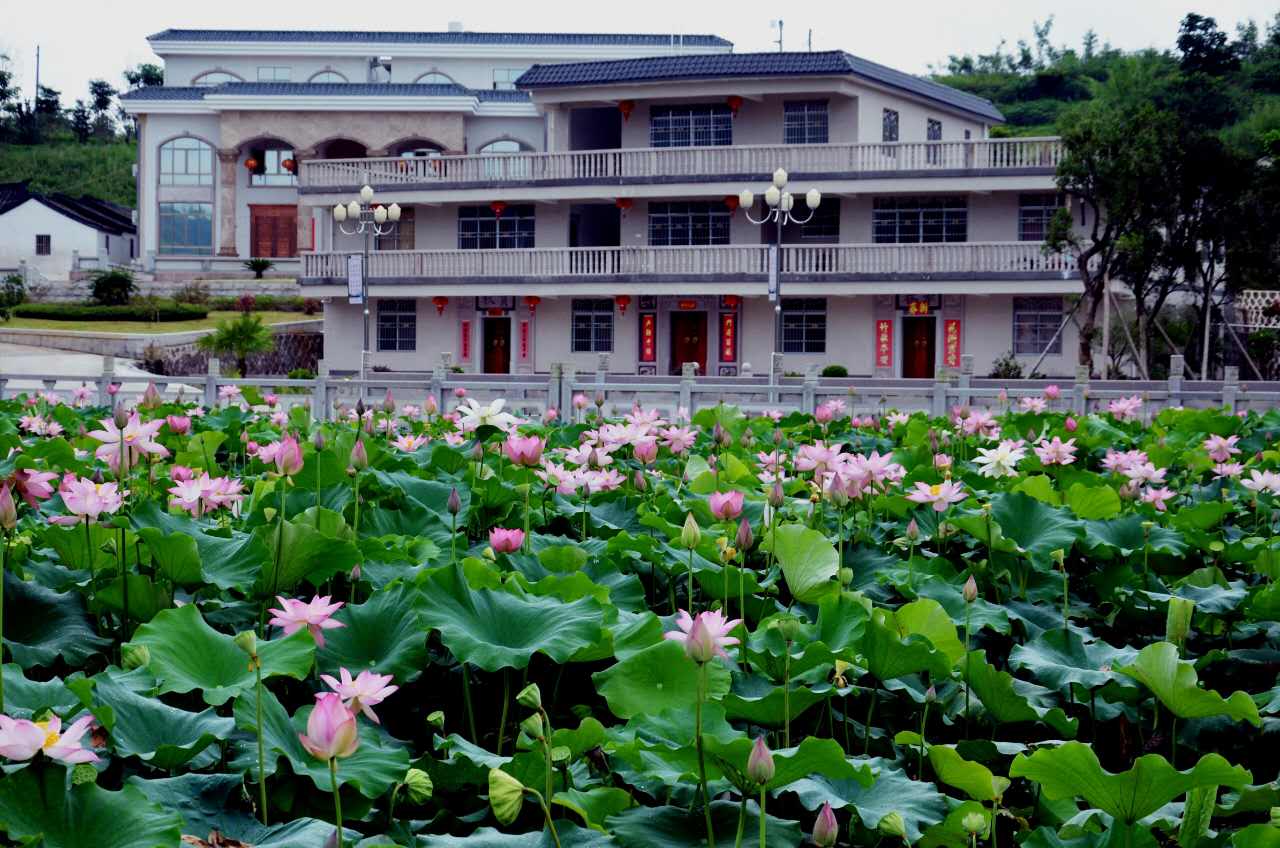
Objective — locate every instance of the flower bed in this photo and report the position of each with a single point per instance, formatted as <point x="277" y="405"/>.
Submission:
<point x="445" y="627"/>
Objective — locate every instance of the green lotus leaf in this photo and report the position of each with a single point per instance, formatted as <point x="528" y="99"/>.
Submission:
<point x="1125" y="535"/>
<point x="571" y="836"/>
<point x="1009" y="700"/>
<point x="890" y="655"/>
<point x="37" y="806"/>
<point x="186" y="555"/>
<point x="1256" y="836"/>
<point x="809" y="562"/>
<point x="926" y="617"/>
<point x="1095" y="503"/>
<point x="41" y="625"/>
<point x="187" y="655"/>
<point x="385" y="634"/>
<point x="676" y="827"/>
<point x="595" y="804"/>
<point x="1060" y="659"/>
<point x="917" y="801"/>
<point x="813" y="756"/>
<point x="305" y="554"/>
<point x="951" y="833"/>
<point x="974" y="779"/>
<point x="1174" y="682"/>
<point x="1035" y="527"/>
<point x="658" y="678"/>
<point x="1072" y="770"/>
<point x="24" y="698"/>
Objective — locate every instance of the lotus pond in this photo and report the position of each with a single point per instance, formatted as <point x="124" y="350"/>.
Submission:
<point x="426" y="626"/>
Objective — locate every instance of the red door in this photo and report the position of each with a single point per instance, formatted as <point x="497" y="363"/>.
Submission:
<point x="497" y="345"/>
<point x="688" y="340"/>
<point x="918" y="340"/>
<point x="273" y="231"/>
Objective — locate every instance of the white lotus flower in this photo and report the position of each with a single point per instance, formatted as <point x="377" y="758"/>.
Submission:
<point x="472" y="414"/>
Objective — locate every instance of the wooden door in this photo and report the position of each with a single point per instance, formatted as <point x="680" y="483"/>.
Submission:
<point x="273" y="231"/>
<point x="688" y="340"/>
<point x="918" y="341"/>
<point x="497" y="345"/>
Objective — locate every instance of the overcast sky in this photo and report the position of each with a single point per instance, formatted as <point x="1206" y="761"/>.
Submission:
<point x="83" y="39"/>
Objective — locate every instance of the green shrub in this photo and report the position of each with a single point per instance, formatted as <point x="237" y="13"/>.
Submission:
<point x="239" y="338"/>
<point x="164" y="311"/>
<point x="113" y="287"/>
<point x="12" y="292"/>
<point x="261" y="303"/>
<point x="1006" y="367"/>
<point x="259" y="267"/>
<point x="302" y="374"/>
<point x="834" y="370"/>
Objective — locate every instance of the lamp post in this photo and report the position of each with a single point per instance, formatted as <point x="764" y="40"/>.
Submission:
<point x="367" y="220"/>
<point x="779" y="204"/>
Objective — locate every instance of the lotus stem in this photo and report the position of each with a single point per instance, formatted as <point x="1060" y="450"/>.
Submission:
<point x="124" y="587"/>
<point x="506" y="700"/>
<point x="702" y="765"/>
<point x="466" y="698"/>
<point x="786" y="696"/>
<point x="690" y="598"/>
<point x="262" y="778"/>
<point x="4" y="564"/>
<point x="968" y="621"/>
<point x="525" y="542"/>
<point x="762" y="818"/>
<point x="337" y="798"/>
<point x="866" y="730"/>
<point x="924" y="720"/>
<point x="742" y="822"/>
<point x="453" y="555"/>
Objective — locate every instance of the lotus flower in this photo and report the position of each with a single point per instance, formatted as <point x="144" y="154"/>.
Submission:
<point x="1221" y="448"/>
<point x="133" y="439"/>
<point x="760" y="766"/>
<point x="825" y="828"/>
<point x="505" y="541"/>
<point x="331" y="729"/>
<point x="8" y="510"/>
<point x="86" y="500"/>
<point x="705" y="636"/>
<point x="726" y="506"/>
<point x="940" y="495"/>
<point x="288" y="456"/>
<point x="1056" y="452"/>
<point x="21" y="739"/>
<point x="1262" y="481"/>
<point x="179" y="425"/>
<point x="365" y="691"/>
<point x="523" y="450"/>
<point x="314" y="615"/>
<point x="1158" y="497"/>
<point x="646" y="450"/>
<point x="1002" y="460"/>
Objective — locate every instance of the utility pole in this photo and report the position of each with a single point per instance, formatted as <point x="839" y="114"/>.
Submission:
<point x="778" y="25"/>
<point x="35" y="101"/>
<point x="810" y="39"/>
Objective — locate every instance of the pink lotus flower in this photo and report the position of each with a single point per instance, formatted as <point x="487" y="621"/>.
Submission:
<point x="179" y="425"/>
<point x="86" y="500"/>
<point x="365" y="691"/>
<point x="287" y="456"/>
<point x="1264" y="481"/>
<point x="314" y="615"/>
<point x="228" y="392"/>
<point x="134" y="440"/>
<point x="21" y="739"/>
<point x="1158" y="497"/>
<point x="550" y="414"/>
<point x="1056" y="452"/>
<point x="1144" y="472"/>
<point x="940" y="495"/>
<point x="33" y="486"/>
<point x="81" y="395"/>
<point x="409" y="443"/>
<point x="430" y="406"/>
<point x="1070" y="424"/>
<point x="726" y="506"/>
<point x="460" y="392"/>
<point x="331" y="729"/>
<point x="823" y="414"/>
<point x="678" y="439"/>
<point x="1125" y="409"/>
<point x="523" y="450"/>
<point x="646" y="450"/>
<point x="760" y="765"/>
<point x="1033" y="404"/>
<point x="941" y="461"/>
<point x="704" y="637"/>
<point x="8" y="510"/>
<point x="1227" y="470"/>
<point x="1121" y="461"/>
<point x="505" y="541"/>
<point x="1221" y="448"/>
<point x="1052" y="391"/>
<point x="825" y="828"/>
<point x="580" y="401"/>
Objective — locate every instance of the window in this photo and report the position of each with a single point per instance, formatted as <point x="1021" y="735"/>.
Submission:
<point x="1035" y="322"/>
<point x="380" y="69"/>
<point x="186" y="162"/>
<point x="401" y="235"/>
<point x="499" y="169"/>
<point x="215" y="78"/>
<point x="398" y="324"/>
<point x="272" y="172"/>
<point x="824" y="226"/>
<point x="933" y="132"/>
<point x="186" y="228"/>
<point x="328" y="76"/>
<point x="592" y="325"/>
<point x="435" y="78"/>
<point x="44" y="245"/>
<point x="273" y="73"/>
<point x="480" y="229"/>
<point x="804" y="122"/>
<point x="909" y="220"/>
<point x="690" y="126"/>
<point x="1035" y="211"/>
<point x="889" y="128"/>
<point x="505" y="78"/>
<point x="689" y="223"/>
<point x="804" y="325"/>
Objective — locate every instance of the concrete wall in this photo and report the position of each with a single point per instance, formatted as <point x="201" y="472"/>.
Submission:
<point x="758" y="121"/>
<point x="20" y="226"/>
<point x="988" y="334"/>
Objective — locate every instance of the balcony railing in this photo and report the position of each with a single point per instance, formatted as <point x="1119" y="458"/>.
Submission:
<point x="693" y="164"/>
<point x="853" y="262"/>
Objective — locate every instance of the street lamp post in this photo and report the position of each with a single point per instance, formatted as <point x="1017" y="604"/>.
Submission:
<point x="368" y="220"/>
<point x="778" y="211"/>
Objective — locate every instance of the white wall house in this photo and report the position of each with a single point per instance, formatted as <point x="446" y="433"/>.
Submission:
<point x="570" y="195"/>
<point x="51" y="232"/>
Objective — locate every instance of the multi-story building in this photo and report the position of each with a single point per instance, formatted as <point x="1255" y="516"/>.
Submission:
<point x="567" y="195"/>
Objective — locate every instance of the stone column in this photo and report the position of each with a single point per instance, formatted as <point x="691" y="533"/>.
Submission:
<point x="227" y="160"/>
<point x="304" y="240"/>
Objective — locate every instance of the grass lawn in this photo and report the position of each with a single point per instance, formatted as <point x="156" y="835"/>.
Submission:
<point x="147" y="326"/>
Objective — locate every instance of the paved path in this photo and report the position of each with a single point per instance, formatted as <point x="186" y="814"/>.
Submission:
<point x="71" y="369"/>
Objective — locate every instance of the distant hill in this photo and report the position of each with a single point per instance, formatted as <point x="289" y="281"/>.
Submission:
<point x="99" y="169"/>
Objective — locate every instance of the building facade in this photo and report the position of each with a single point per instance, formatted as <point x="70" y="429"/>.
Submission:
<point x="55" y="234"/>
<point x="563" y="196"/>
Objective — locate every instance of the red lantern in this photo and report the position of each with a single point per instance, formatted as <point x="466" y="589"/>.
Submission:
<point x="734" y="102"/>
<point x="626" y="107"/>
<point x="624" y="203"/>
<point x="289" y="165"/>
<point x="532" y="301"/>
<point x="498" y="207"/>
<point x="439" y="302"/>
<point x="623" y="301"/>
<point x="731" y="301"/>
<point x="731" y="201"/>
<point x="251" y="164"/>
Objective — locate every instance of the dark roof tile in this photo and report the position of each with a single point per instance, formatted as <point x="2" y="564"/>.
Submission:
<point x="494" y="38"/>
<point x="321" y="89"/>
<point x="90" y="211"/>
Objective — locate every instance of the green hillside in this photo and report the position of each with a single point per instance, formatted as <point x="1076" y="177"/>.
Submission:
<point x="99" y="169"/>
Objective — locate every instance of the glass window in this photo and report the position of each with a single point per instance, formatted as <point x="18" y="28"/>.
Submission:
<point x="186" y="228"/>
<point x="889" y="129"/>
<point x="933" y="132"/>
<point x="435" y="78"/>
<point x="328" y="76"/>
<point x="398" y="324"/>
<point x="804" y="325"/>
<point x="44" y="245"/>
<point x="910" y="220"/>
<point x="272" y="171"/>
<point x="804" y="122"/>
<point x="401" y="235"/>
<point x="689" y="223"/>
<point x="1035" y="322"/>
<point x="186" y="162"/>
<point x="690" y="126"/>
<point x="273" y="73"/>
<point x="1035" y="211"/>
<point x="824" y="226"/>
<point x="505" y="78"/>
<point x="480" y="229"/>
<point x="592" y="325"/>
<point x="215" y="78"/>
<point x="500" y="169"/>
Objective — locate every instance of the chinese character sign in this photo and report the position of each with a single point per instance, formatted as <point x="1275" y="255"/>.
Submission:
<point x="918" y="307"/>
<point x="648" y="337"/>
<point x="951" y="343"/>
<point x="884" y="344"/>
<point x="524" y="341"/>
<point x="465" y="346"/>
<point x="728" y="337"/>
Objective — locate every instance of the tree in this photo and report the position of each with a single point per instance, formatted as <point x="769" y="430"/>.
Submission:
<point x="143" y="75"/>
<point x="101" y="94"/>
<point x="239" y="338"/>
<point x="81" y="124"/>
<point x="1205" y="48"/>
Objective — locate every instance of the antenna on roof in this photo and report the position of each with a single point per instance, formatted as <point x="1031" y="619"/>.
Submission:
<point x="778" y="26"/>
<point x="810" y="39"/>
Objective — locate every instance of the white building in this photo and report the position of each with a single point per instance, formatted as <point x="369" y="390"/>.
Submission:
<point x="53" y="233"/>
<point x="567" y="195"/>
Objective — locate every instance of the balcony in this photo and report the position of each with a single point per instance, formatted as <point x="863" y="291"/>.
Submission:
<point x="637" y="166"/>
<point x="837" y="263"/>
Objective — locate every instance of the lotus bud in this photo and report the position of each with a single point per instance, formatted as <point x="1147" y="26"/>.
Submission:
<point x="931" y="695"/>
<point x="777" y="437"/>
<point x="1178" y="621"/>
<point x="360" y="408"/>
<point x="913" y="530"/>
<point x="1070" y="424"/>
<point x="388" y="403"/>
<point x="98" y="477"/>
<point x="826" y="828"/>
<point x="120" y="416"/>
<point x="418" y="786"/>
<point x="1275" y="816"/>
<point x="435" y="719"/>
<point x="744" y="539"/>
<point x="639" y="480"/>
<point x="134" y="656"/>
<point x="8" y="509"/>
<point x="776" y="495"/>
<point x="789" y="627"/>
<point x="506" y="796"/>
<point x="690" y="534"/>
<point x="748" y="439"/>
<point x="317" y="439"/>
<point x="359" y="456"/>
<point x="970" y="590"/>
<point x="533" y="727"/>
<point x="151" y="397"/>
<point x="454" y="504"/>
<point x="599" y="400"/>
<point x="247" y="641"/>
<point x="893" y="824"/>
<point x="431" y="406"/>
<point x="1059" y="557"/>
<point x="83" y="774"/>
<point x="530" y="697"/>
<point x="974" y="823"/>
<point x="846" y="575"/>
<point x="760" y="767"/>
